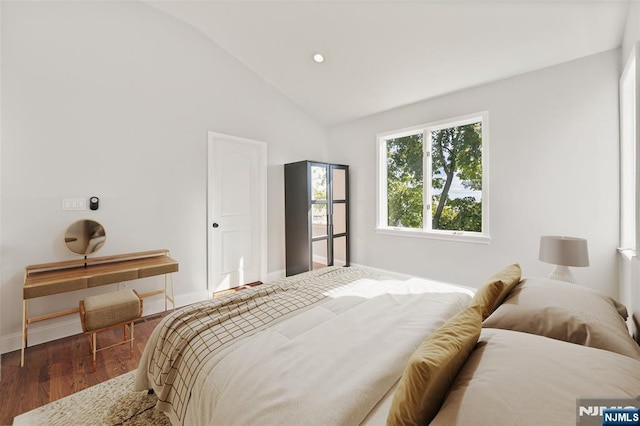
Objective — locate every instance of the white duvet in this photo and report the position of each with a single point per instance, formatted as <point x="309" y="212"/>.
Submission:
<point x="328" y="365"/>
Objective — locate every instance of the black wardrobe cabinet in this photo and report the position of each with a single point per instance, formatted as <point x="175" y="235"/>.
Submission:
<point x="316" y="197"/>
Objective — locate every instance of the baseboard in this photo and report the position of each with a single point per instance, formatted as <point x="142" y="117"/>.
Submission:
<point x="401" y="276"/>
<point x="320" y="259"/>
<point x="48" y="332"/>
<point x="276" y="275"/>
<point x="386" y="273"/>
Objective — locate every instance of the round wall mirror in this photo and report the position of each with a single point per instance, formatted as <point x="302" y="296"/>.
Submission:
<point x="85" y="237"/>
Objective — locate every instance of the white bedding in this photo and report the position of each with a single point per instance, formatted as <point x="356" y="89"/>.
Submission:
<point x="330" y="363"/>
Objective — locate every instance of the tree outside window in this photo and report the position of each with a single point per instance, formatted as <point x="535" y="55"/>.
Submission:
<point x="404" y="181"/>
<point x="435" y="172"/>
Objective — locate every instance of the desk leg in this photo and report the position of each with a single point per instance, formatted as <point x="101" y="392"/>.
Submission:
<point x="24" y="330"/>
<point x="173" y="298"/>
<point x="169" y="277"/>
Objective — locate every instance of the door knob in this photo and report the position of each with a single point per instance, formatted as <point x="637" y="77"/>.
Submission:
<point x="215" y="225"/>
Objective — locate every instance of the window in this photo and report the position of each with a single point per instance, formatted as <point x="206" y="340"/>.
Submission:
<point x="629" y="141"/>
<point x="433" y="180"/>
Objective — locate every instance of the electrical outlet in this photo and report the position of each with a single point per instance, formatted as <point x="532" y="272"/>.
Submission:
<point x="74" y="204"/>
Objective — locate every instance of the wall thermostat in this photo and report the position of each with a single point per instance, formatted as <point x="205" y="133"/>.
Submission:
<point x="93" y="203"/>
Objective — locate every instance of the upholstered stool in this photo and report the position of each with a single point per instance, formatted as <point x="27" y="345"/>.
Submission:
<point x="107" y="311"/>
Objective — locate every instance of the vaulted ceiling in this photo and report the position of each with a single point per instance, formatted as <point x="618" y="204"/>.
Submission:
<point x="383" y="54"/>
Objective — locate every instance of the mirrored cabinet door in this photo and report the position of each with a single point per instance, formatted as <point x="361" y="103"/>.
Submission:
<point x="319" y="200"/>
<point x="339" y="218"/>
<point x="340" y="251"/>
<point x="319" y="183"/>
<point x="339" y="215"/>
<point x="316" y="216"/>
<point x="339" y="182"/>
<point x="320" y="253"/>
<point x="319" y="215"/>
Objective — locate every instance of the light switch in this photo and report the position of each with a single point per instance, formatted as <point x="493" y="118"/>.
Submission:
<point x="74" y="204"/>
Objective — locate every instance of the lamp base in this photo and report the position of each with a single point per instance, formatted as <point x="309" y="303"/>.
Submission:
<point x="563" y="273"/>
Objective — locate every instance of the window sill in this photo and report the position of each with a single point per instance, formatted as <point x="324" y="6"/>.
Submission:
<point x="627" y="252"/>
<point x="458" y="236"/>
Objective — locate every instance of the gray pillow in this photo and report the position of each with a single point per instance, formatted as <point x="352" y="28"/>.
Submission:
<point x="566" y="312"/>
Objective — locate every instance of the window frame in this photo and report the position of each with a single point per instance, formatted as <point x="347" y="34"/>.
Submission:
<point x="382" y="226"/>
<point x="629" y="89"/>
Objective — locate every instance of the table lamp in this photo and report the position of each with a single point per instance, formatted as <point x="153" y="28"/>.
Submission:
<point x="563" y="252"/>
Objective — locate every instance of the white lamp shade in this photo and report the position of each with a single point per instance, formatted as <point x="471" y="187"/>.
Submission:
<point x="566" y="251"/>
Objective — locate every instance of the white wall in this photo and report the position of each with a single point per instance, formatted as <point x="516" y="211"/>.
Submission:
<point x="553" y="170"/>
<point x="114" y="99"/>
<point x="631" y="32"/>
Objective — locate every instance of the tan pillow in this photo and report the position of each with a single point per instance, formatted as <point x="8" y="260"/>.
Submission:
<point x="514" y="378"/>
<point x="433" y="367"/>
<point x="491" y="294"/>
<point x="568" y="312"/>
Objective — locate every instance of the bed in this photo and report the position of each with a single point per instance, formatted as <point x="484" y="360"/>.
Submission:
<point x="347" y="346"/>
<point x="284" y="351"/>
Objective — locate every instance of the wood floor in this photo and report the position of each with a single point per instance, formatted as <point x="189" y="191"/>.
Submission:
<point x="56" y="369"/>
<point x="59" y="368"/>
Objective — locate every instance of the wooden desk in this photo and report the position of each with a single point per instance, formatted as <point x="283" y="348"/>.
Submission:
<point x="60" y="277"/>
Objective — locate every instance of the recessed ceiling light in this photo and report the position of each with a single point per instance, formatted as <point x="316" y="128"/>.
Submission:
<point x="318" y="58"/>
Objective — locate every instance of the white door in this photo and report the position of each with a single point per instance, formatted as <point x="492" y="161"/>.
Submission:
<point x="237" y="212"/>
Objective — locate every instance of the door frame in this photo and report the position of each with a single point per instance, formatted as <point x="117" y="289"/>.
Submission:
<point x="262" y="200"/>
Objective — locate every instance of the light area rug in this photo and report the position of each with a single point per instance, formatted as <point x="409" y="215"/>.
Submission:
<point x="109" y="403"/>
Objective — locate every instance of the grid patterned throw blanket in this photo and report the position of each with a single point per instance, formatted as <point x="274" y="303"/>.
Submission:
<point x="184" y="341"/>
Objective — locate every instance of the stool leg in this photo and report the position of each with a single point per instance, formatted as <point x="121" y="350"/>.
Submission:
<point x="93" y="349"/>
<point x="131" y="343"/>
